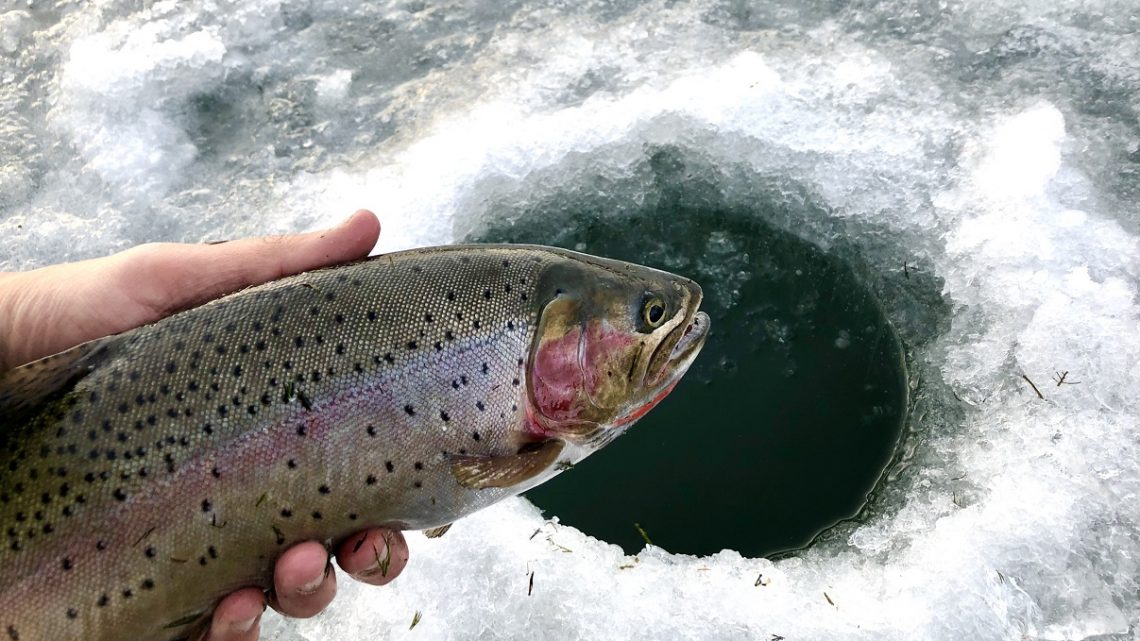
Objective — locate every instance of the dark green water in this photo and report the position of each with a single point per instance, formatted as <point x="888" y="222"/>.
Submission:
<point x="787" y="418"/>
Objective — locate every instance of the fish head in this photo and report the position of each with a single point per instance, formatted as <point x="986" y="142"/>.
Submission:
<point x="613" y="339"/>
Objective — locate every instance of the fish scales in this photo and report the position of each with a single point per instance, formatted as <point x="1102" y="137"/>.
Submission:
<point x="169" y="465"/>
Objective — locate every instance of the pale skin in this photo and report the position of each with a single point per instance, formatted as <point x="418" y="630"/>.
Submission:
<point x="51" y="309"/>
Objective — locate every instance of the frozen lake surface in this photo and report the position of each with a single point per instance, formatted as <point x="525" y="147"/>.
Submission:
<point x="991" y="147"/>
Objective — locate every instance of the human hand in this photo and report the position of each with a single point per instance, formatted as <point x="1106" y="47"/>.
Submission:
<point x="52" y="309"/>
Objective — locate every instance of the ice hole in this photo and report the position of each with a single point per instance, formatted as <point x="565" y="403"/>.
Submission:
<point x="787" y="420"/>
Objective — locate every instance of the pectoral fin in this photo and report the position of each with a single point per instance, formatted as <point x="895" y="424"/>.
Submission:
<point x="437" y="532"/>
<point x="480" y="472"/>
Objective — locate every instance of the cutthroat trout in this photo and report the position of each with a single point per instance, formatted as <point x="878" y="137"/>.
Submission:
<point x="144" y="476"/>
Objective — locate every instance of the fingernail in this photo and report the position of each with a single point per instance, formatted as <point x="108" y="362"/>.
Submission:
<point x="312" y="586"/>
<point x="245" y="625"/>
<point x="381" y="562"/>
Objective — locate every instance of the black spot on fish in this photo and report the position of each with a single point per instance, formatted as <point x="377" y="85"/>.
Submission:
<point x="480" y="405"/>
<point x="221" y="349"/>
<point x="412" y="345"/>
<point x="206" y="505"/>
<point x="72" y="613"/>
<point x="148" y="584"/>
<point x="476" y="323"/>
<point x="67" y="564"/>
<point x="388" y="466"/>
<point x="450" y="295"/>
<point x="216" y="473"/>
<point x="287" y="514"/>
<point x="370" y="480"/>
<point x="388" y="358"/>
<point x="485" y="368"/>
<point x="237" y="371"/>
<point x="419" y="465"/>
<point x="119" y="494"/>
<point x="128" y="593"/>
<point x="371" y="315"/>
<point x="324" y="489"/>
<point x="371" y="429"/>
<point x="475" y="436"/>
<point x="444" y="416"/>
<point x="299" y="341"/>
<point x="409" y="410"/>
<point x="151" y="552"/>
<point x="103" y="601"/>
<point x="316" y="516"/>
<point x="291" y="464"/>
<point x="302" y="430"/>
<point x="418" y="484"/>
<point x="487" y="294"/>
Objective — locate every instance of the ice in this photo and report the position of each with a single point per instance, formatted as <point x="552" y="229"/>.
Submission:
<point x="990" y="146"/>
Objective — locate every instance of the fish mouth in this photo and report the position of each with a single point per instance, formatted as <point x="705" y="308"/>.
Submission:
<point x="681" y="355"/>
<point x="692" y="339"/>
<point x="683" y="346"/>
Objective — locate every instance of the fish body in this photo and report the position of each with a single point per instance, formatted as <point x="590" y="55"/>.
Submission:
<point x="146" y="475"/>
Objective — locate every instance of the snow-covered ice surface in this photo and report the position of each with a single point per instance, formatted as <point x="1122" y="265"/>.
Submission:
<point x="993" y="146"/>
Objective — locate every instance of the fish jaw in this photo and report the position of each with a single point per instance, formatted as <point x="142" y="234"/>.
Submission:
<point x="682" y="356"/>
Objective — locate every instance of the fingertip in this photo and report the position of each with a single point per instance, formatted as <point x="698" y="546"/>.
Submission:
<point x="375" y="556"/>
<point x="304" y="581"/>
<point x="238" y="616"/>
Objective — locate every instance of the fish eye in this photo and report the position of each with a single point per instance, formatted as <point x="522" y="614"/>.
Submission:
<point x="653" y="312"/>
